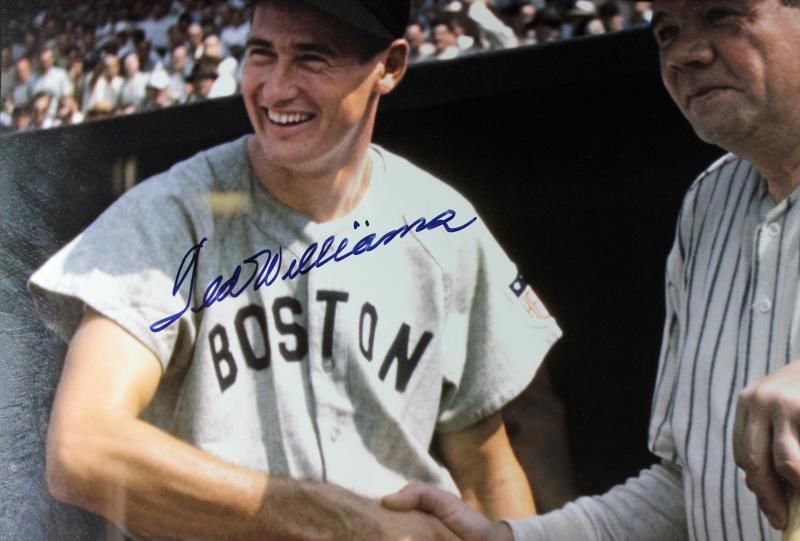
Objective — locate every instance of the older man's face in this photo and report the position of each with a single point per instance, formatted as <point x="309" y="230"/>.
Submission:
<point x="732" y="66"/>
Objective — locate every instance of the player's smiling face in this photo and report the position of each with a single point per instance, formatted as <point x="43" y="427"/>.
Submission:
<point x="310" y="98"/>
<point x="731" y="66"/>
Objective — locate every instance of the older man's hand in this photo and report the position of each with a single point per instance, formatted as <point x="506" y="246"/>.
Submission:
<point x="465" y="522"/>
<point x="766" y="439"/>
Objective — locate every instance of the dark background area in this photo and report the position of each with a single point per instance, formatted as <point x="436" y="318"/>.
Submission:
<point x="573" y="154"/>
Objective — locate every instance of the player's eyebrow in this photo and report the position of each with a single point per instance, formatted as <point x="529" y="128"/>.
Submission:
<point x="258" y="42"/>
<point x="318" y="48"/>
<point x="659" y="16"/>
<point x="303" y="47"/>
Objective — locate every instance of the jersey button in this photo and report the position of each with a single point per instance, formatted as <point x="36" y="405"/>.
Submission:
<point x="327" y="365"/>
<point x="774" y="229"/>
<point x="763" y="306"/>
<point x="334" y="435"/>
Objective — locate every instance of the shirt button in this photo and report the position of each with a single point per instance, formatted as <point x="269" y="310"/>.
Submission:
<point x="773" y="229"/>
<point x="327" y="365"/>
<point x="764" y="306"/>
<point x="334" y="435"/>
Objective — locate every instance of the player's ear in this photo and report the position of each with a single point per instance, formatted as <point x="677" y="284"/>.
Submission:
<point x="395" y="62"/>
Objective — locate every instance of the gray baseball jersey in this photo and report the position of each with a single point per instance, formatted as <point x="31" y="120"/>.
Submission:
<point x="329" y="351"/>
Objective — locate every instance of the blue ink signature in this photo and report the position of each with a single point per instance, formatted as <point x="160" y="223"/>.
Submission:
<point x="266" y="264"/>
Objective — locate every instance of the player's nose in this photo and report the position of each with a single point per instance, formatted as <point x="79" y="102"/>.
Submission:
<point x="691" y="48"/>
<point x="280" y="84"/>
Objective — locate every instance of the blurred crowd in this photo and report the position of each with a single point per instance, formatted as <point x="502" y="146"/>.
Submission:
<point x="81" y="60"/>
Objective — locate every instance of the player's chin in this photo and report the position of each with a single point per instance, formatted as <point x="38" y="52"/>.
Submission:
<point x="726" y="131"/>
<point x="285" y="155"/>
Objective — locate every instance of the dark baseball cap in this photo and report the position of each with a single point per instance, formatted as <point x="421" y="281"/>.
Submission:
<point x="382" y="18"/>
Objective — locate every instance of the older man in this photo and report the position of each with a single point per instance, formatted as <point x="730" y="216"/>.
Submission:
<point x="728" y="387"/>
<point x="274" y="333"/>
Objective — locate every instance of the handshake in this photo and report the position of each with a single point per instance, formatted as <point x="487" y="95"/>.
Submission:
<point x="464" y="522"/>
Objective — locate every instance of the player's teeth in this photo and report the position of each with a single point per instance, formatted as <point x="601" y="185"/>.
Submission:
<point x="293" y="118"/>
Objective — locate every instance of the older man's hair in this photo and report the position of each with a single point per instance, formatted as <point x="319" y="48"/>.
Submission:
<point x="367" y="46"/>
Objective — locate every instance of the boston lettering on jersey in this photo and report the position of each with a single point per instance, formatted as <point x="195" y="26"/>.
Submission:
<point x="266" y="264"/>
<point x="294" y="340"/>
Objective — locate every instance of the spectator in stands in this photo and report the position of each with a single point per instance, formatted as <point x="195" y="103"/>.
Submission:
<point x="22" y="92"/>
<point x="188" y="8"/>
<point x="225" y="84"/>
<point x="64" y="41"/>
<point x="546" y="25"/>
<point x="75" y="71"/>
<point x="104" y="87"/>
<point x="27" y="47"/>
<point x="583" y="20"/>
<point x="468" y="37"/>
<point x="148" y="58"/>
<point x="123" y="21"/>
<point x="42" y="105"/>
<point x="132" y="92"/>
<point x="180" y="67"/>
<point x="641" y="16"/>
<point x="445" y="41"/>
<point x="202" y="79"/>
<point x="158" y="91"/>
<point x="522" y="23"/>
<point x="21" y="117"/>
<point x="611" y="16"/>
<point x="419" y="47"/>
<point x="176" y="37"/>
<point x="212" y="47"/>
<point x="492" y="33"/>
<point x="234" y="34"/>
<point x="156" y="26"/>
<point x="208" y="20"/>
<point x="6" y="73"/>
<point x="7" y="113"/>
<point x="195" y="40"/>
<point x="88" y="45"/>
<point x="68" y="112"/>
<point x="52" y="79"/>
<point x="124" y="39"/>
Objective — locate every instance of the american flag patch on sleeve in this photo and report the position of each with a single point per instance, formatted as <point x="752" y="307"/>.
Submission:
<point x="527" y="297"/>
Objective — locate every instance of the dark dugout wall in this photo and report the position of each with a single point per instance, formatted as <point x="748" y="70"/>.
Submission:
<point x="573" y="154"/>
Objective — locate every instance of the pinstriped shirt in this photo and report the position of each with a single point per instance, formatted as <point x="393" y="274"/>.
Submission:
<point x="733" y="316"/>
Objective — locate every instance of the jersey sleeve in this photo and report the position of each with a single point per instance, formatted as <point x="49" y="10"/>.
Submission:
<point x="654" y="498"/>
<point x="124" y="266"/>
<point x="505" y="328"/>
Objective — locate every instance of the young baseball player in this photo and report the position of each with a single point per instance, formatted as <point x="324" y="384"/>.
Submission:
<point x="282" y="328"/>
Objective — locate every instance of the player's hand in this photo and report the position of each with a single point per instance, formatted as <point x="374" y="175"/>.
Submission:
<point x="375" y="522"/>
<point x="466" y="523"/>
<point x="766" y="439"/>
<point x="413" y="526"/>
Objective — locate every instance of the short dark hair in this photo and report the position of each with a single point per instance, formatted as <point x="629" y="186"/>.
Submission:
<point x="367" y="45"/>
<point x="449" y="23"/>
